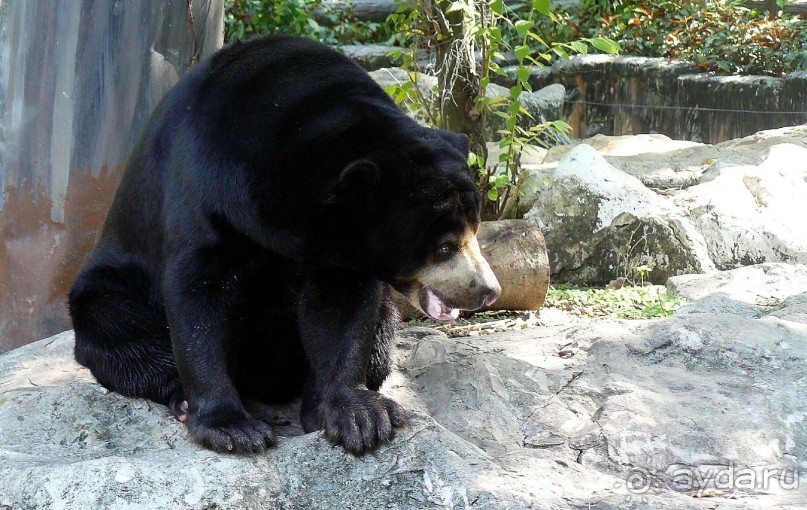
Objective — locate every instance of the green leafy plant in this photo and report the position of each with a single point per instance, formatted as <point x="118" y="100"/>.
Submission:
<point x="343" y="27"/>
<point x="467" y="40"/>
<point x="244" y="18"/>
<point x="530" y="50"/>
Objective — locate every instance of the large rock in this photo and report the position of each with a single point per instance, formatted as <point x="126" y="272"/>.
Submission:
<point x="755" y="212"/>
<point x="370" y="57"/>
<point x="656" y="160"/>
<point x="606" y="415"/>
<point x="704" y="206"/>
<point x="601" y="223"/>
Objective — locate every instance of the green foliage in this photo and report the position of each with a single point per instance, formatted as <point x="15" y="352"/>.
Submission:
<point x="630" y="302"/>
<point x="717" y="35"/>
<point x="245" y="18"/>
<point x="343" y="28"/>
<point x="491" y="28"/>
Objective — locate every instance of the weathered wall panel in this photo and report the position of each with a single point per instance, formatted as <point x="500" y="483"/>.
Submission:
<point x="78" y="80"/>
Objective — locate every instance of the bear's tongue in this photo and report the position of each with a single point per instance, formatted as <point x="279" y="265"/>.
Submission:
<point x="437" y="310"/>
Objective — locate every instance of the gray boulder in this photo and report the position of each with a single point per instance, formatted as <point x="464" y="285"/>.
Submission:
<point x="751" y="291"/>
<point x="370" y="57"/>
<point x="543" y="104"/>
<point x="752" y="213"/>
<point x="657" y="160"/>
<point x="601" y="223"/>
<point x="691" y="207"/>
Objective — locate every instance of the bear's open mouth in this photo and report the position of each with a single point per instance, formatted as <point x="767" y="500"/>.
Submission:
<point x="434" y="306"/>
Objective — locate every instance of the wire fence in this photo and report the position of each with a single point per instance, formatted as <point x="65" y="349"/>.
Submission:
<point x="670" y="107"/>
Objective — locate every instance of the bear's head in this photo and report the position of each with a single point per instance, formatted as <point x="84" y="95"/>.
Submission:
<point x="419" y="211"/>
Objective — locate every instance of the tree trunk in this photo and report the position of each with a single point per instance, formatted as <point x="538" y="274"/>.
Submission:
<point x="458" y="80"/>
<point x="458" y="83"/>
<point x="772" y="6"/>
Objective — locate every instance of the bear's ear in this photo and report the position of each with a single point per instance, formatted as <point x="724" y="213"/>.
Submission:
<point x="460" y="141"/>
<point x="357" y="178"/>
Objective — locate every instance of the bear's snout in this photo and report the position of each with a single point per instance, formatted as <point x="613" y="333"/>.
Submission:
<point x="487" y="288"/>
<point x="462" y="282"/>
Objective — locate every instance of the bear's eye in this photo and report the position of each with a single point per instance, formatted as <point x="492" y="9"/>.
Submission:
<point x="446" y="250"/>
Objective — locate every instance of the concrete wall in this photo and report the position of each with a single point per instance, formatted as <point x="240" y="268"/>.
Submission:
<point x="629" y="95"/>
<point x="78" y="79"/>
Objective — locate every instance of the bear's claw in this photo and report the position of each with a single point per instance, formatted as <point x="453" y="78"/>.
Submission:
<point x="241" y="435"/>
<point x="359" y="420"/>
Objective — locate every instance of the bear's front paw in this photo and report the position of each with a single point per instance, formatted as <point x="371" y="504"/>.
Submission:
<point x="359" y="420"/>
<point x="231" y="432"/>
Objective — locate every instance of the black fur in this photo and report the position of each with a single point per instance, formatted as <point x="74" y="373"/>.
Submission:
<point x="273" y="195"/>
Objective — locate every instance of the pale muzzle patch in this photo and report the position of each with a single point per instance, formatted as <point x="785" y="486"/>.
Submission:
<point x="463" y="281"/>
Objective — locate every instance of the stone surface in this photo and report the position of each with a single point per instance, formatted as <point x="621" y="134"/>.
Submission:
<point x="762" y="287"/>
<point x="690" y="207"/>
<point x="657" y="160"/>
<point x="688" y="412"/>
<point x="752" y="213"/>
<point x="68" y="443"/>
<point x="663" y="163"/>
<point x="370" y="57"/>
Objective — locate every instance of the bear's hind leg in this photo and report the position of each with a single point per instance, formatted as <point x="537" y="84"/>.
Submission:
<point x="122" y="334"/>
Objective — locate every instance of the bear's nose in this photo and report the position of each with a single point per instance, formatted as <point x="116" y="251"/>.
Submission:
<point x="492" y="294"/>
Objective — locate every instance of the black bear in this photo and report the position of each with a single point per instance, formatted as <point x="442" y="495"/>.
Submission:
<point x="274" y="196"/>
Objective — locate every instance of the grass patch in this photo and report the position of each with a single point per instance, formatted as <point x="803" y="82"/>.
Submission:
<point x="629" y="302"/>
